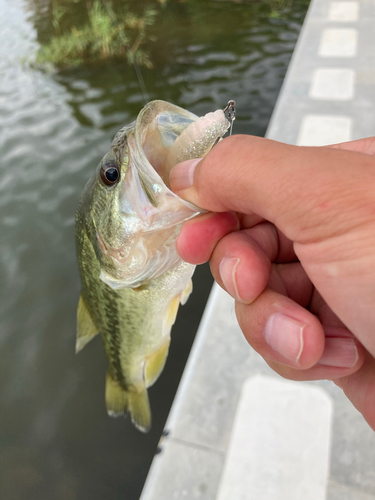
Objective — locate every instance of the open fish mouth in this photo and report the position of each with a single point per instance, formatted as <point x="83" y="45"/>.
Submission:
<point x="162" y="136"/>
<point x="166" y="135"/>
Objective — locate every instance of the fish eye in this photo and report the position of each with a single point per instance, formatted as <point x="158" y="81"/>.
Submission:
<point x="109" y="173"/>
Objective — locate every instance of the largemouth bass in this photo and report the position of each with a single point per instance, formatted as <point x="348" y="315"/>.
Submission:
<point x="127" y="222"/>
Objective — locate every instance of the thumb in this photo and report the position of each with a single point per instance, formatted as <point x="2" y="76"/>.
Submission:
<point x="299" y="189"/>
<point x="322" y="199"/>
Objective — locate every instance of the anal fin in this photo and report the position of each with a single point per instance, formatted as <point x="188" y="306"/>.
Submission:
<point x="156" y="362"/>
<point x="86" y="329"/>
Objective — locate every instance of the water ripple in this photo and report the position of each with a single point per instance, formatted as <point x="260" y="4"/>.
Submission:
<point x="53" y="131"/>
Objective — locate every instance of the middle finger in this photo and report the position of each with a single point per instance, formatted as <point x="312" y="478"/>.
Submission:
<point x="241" y="261"/>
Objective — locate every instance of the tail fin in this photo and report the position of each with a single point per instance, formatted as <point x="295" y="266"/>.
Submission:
<point x="133" y="400"/>
<point x="139" y="409"/>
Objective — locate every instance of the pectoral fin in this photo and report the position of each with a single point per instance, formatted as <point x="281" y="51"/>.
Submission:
<point x="134" y="400"/>
<point x="86" y="329"/>
<point x="172" y="310"/>
<point x="171" y="313"/>
<point x="186" y="293"/>
<point x="155" y="363"/>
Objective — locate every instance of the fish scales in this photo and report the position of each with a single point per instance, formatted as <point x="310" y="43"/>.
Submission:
<point x="126" y="226"/>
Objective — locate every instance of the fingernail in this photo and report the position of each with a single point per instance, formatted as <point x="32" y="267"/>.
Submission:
<point x="182" y="174"/>
<point x="285" y="336"/>
<point x="340" y="352"/>
<point x="227" y="270"/>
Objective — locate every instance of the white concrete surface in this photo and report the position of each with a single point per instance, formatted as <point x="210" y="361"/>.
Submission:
<point x="332" y="84"/>
<point x="280" y="444"/>
<point x="341" y="42"/>
<point x="321" y="130"/>
<point x="343" y="11"/>
<point x="185" y="473"/>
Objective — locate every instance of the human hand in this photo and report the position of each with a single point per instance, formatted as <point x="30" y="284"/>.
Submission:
<point x="292" y="239"/>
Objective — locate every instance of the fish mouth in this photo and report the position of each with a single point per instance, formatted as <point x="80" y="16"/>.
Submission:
<point x="166" y="134"/>
<point x="163" y="135"/>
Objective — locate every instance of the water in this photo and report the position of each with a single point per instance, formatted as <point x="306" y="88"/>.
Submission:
<point x="56" y="439"/>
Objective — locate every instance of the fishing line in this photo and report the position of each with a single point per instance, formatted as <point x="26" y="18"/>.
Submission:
<point x="137" y="70"/>
<point x="141" y="82"/>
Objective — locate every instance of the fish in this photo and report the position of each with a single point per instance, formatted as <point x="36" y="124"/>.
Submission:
<point x="127" y="222"/>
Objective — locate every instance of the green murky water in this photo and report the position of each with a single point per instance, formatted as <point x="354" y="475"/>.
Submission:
<point x="56" y="439"/>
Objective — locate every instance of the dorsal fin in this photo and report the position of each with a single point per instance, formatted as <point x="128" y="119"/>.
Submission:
<point x="86" y="329"/>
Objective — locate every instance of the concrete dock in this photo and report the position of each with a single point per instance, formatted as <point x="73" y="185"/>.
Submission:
<point x="236" y="429"/>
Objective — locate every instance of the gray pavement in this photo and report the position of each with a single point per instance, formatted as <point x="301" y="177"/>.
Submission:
<point x="236" y="430"/>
